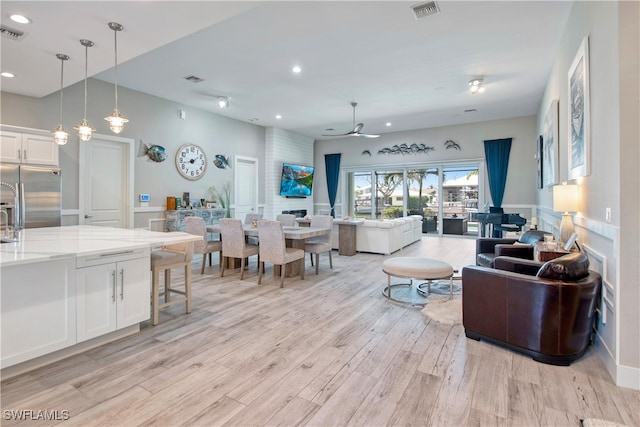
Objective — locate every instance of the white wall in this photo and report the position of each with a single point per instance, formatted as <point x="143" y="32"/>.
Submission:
<point x="613" y="248"/>
<point x="520" y="192"/>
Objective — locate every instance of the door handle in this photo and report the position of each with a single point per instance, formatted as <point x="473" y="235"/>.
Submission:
<point x="88" y="216"/>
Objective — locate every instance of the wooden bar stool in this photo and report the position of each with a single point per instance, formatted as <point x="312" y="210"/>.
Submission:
<point x="170" y="256"/>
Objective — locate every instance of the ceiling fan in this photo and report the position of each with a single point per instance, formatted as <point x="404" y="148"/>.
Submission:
<point x="356" y="127"/>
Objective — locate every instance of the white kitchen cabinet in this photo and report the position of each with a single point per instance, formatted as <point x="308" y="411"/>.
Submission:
<point x="113" y="292"/>
<point x="38" y="312"/>
<point x="28" y="148"/>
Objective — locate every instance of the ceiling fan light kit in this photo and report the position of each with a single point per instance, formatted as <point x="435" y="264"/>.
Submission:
<point x="476" y="85"/>
<point x="356" y="127"/>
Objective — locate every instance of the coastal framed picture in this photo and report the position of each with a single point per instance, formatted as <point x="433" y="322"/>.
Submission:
<point x="539" y="157"/>
<point x="579" y="117"/>
<point x="550" y="150"/>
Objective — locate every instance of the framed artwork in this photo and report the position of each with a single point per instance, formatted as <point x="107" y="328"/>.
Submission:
<point x="579" y="120"/>
<point x="539" y="158"/>
<point x="550" y="150"/>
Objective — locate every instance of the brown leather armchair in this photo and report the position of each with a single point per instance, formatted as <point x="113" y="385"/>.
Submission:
<point x="549" y="316"/>
<point x="487" y="249"/>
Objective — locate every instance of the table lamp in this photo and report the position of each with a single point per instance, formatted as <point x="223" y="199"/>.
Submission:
<point x="565" y="199"/>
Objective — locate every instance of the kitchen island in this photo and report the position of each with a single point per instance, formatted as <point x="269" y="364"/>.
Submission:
<point x="67" y="289"/>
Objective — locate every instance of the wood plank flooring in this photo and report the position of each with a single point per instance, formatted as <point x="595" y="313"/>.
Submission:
<point x="325" y="351"/>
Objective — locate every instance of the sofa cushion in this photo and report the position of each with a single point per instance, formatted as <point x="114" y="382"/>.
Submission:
<point x="571" y="267"/>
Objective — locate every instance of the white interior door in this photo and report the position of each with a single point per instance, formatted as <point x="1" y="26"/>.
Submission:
<point x="246" y="188"/>
<point x="108" y="181"/>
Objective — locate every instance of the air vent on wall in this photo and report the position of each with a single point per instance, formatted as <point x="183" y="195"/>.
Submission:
<point x="10" y="33"/>
<point x="193" y="79"/>
<point x="422" y="10"/>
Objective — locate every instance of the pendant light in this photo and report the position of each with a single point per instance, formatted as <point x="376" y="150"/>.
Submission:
<point x="116" y="121"/>
<point x="85" y="129"/>
<point x="60" y="136"/>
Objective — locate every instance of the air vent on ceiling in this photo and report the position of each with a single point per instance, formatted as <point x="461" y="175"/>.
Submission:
<point x="10" y="33"/>
<point x="470" y="110"/>
<point x="422" y="10"/>
<point x="193" y="79"/>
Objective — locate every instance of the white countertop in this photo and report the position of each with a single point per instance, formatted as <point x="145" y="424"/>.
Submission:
<point x="41" y="244"/>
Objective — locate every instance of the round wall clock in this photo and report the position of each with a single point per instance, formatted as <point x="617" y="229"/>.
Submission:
<point x="191" y="161"/>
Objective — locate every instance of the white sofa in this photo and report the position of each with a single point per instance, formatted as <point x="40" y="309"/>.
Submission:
<point x="385" y="236"/>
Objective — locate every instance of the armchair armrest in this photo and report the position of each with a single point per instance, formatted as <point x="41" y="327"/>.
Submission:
<point x="517" y="251"/>
<point x="517" y="265"/>
<point x="487" y="245"/>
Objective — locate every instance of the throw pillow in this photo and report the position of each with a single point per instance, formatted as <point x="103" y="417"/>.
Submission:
<point x="569" y="267"/>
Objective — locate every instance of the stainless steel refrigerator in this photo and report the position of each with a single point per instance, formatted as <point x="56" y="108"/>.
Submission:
<point x="38" y="202"/>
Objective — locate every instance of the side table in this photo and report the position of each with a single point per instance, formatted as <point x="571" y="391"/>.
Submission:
<point x="543" y="255"/>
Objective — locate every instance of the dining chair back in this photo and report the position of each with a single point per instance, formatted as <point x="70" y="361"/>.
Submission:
<point x="195" y="225"/>
<point x="234" y="244"/>
<point x="249" y="220"/>
<point x="320" y="244"/>
<point x="287" y="220"/>
<point x="273" y="249"/>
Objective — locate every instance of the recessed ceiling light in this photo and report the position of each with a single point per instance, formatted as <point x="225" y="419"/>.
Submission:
<point x="388" y="124"/>
<point x="296" y="69"/>
<point x="278" y="116"/>
<point x="7" y="74"/>
<point x="20" y="19"/>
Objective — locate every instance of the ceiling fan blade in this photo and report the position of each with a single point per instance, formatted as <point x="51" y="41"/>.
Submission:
<point x="368" y="135"/>
<point x="338" y="134"/>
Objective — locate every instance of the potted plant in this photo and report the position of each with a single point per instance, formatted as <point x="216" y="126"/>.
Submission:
<point x="223" y="197"/>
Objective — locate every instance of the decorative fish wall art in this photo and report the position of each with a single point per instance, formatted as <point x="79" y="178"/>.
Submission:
<point x="221" y="161"/>
<point x="406" y="149"/>
<point x="448" y="144"/>
<point x="155" y="152"/>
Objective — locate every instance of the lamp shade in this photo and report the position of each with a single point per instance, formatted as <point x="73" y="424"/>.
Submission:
<point x="565" y="198"/>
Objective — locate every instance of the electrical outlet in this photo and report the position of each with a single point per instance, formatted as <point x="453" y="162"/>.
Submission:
<point x="607" y="215"/>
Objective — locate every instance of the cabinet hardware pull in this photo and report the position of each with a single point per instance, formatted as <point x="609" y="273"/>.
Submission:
<point x="19" y="154"/>
<point x="116" y="253"/>
<point x="122" y="284"/>
<point x="113" y="275"/>
<point x="25" y="155"/>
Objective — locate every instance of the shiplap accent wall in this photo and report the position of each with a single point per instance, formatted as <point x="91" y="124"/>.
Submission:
<point x="283" y="146"/>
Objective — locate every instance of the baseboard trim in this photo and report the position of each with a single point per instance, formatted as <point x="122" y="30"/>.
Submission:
<point x="30" y="365"/>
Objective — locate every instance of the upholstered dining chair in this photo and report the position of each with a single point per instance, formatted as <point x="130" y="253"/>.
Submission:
<point x="273" y="249"/>
<point x="195" y="225"/>
<point x="234" y="244"/>
<point x="170" y="256"/>
<point x="320" y="244"/>
<point x="287" y="220"/>
<point x="248" y="220"/>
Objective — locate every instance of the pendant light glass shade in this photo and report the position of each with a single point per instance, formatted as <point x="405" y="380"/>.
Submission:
<point x="60" y="136"/>
<point x="84" y="128"/>
<point x="116" y="121"/>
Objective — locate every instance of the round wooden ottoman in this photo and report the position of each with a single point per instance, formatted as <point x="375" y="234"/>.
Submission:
<point x="416" y="268"/>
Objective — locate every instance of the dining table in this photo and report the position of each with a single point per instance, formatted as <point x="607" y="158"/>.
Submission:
<point x="295" y="237"/>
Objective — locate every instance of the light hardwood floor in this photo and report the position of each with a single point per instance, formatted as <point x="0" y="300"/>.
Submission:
<point x="325" y="351"/>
